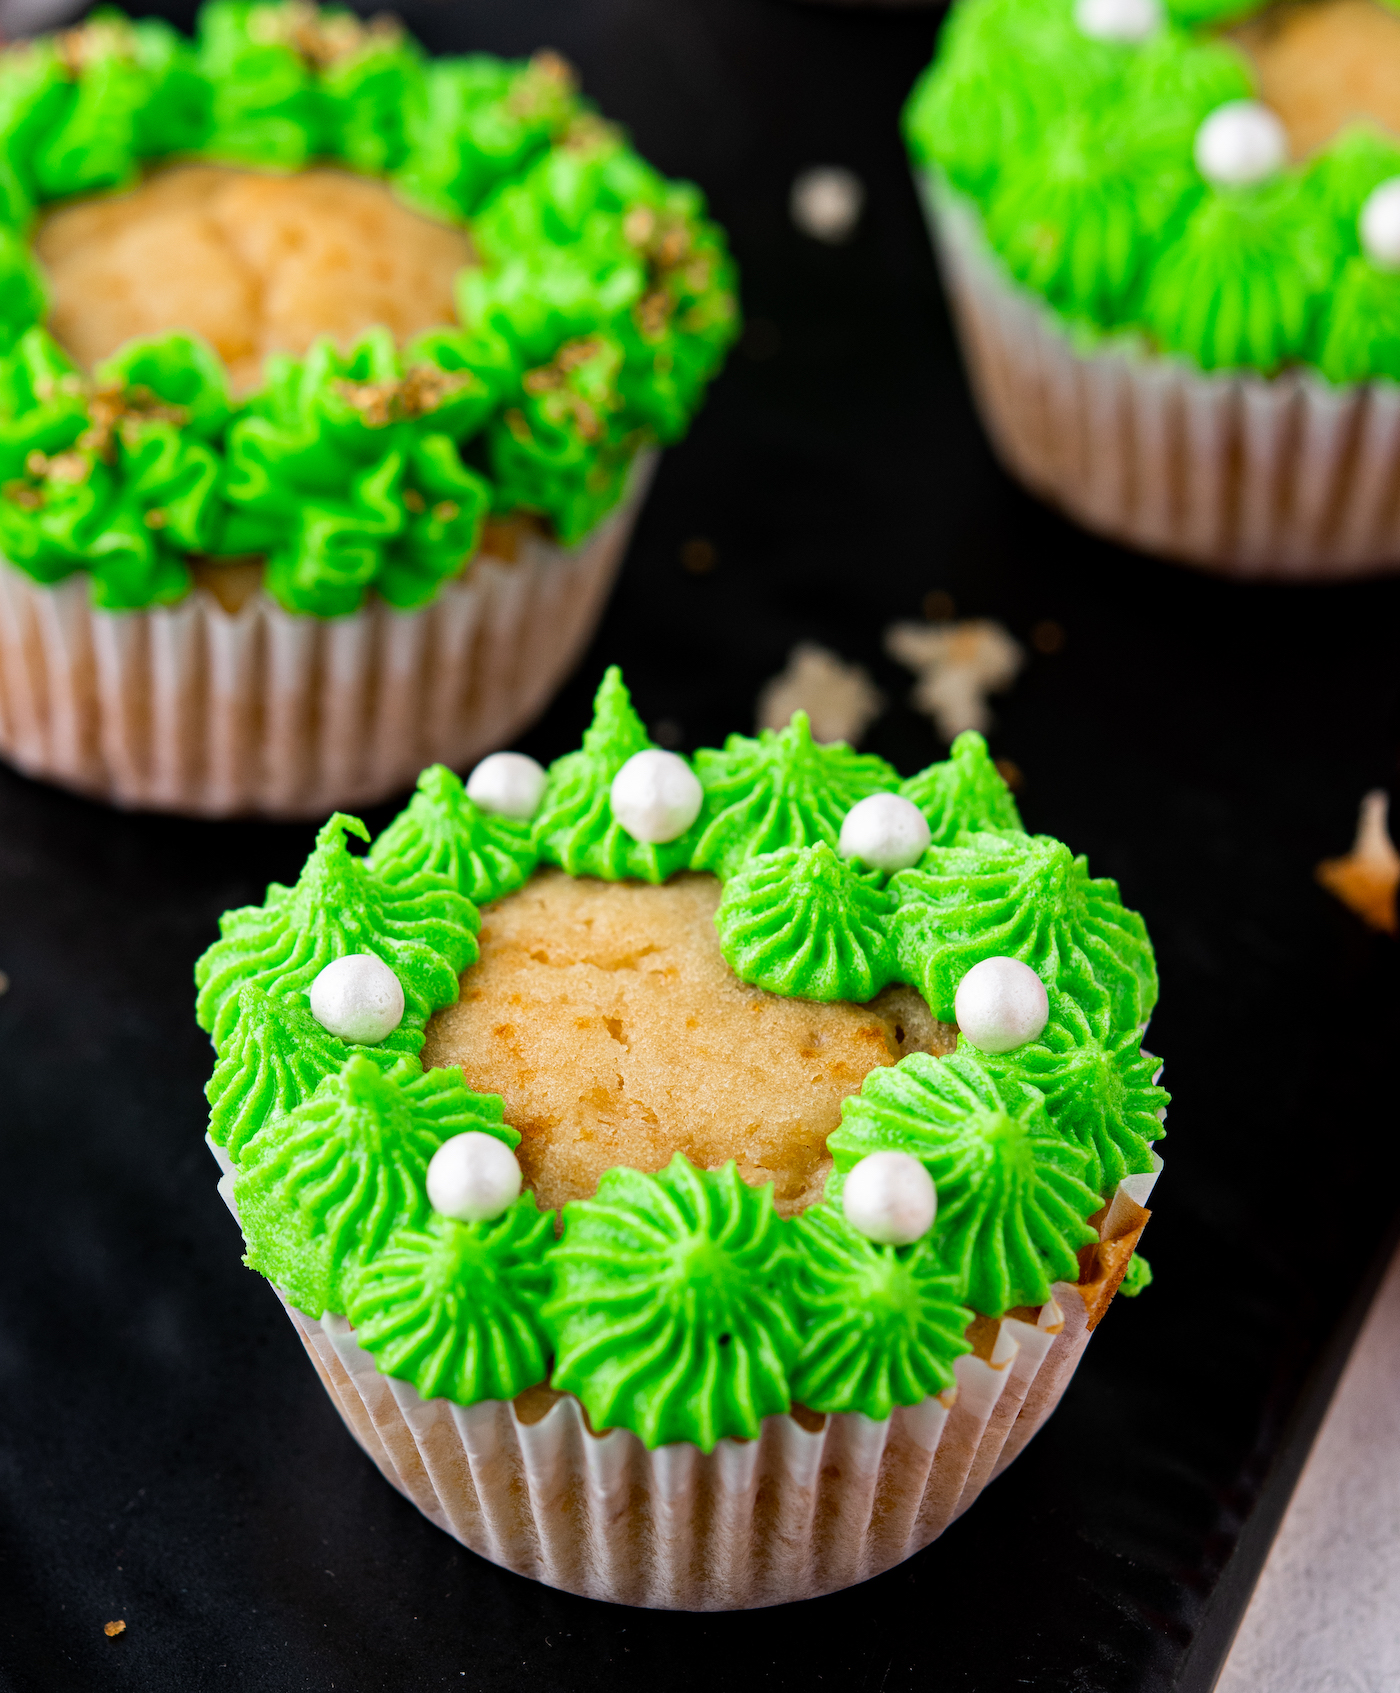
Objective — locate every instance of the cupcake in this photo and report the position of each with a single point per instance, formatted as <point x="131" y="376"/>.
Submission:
<point x="693" y="1182"/>
<point x="1172" y="243"/>
<point x="331" y="378"/>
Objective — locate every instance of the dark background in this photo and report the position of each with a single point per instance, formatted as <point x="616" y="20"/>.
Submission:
<point x="167" y="1455"/>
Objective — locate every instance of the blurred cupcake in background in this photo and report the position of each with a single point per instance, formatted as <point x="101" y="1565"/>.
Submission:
<point x="1171" y="237"/>
<point x="331" y="379"/>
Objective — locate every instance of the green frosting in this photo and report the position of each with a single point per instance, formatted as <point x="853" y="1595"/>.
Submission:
<point x="965" y="791"/>
<point x="1080" y="155"/>
<point x="671" y="1312"/>
<point x="575" y="827"/>
<point x="602" y="306"/>
<point x="565" y="449"/>
<point x="804" y="922"/>
<point x="422" y="928"/>
<point x="782" y="790"/>
<point x="1023" y="896"/>
<point x="882" y="1325"/>
<point x="454" y="1307"/>
<point x="1099" y="1088"/>
<point x="276" y="1056"/>
<point x="116" y="477"/>
<point x="444" y="833"/>
<point x="1243" y="284"/>
<point x="1136" y="1277"/>
<point x="320" y="1190"/>
<point x="1013" y="1201"/>
<point x="345" y="472"/>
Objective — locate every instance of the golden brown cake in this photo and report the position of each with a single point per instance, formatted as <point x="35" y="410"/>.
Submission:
<point x="265" y="264"/>
<point x="1326" y="64"/>
<point x="605" y="1016"/>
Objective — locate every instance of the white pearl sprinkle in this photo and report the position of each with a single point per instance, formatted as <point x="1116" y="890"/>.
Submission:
<point x="890" y="1198"/>
<point x="1000" y="1004"/>
<point x="826" y="203"/>
<point x="509" y="784"/>
<point x="1118" y="20"/>
<point x="1379" y="225"/>
<point x="1239" y="143"/>
<point x="357" y="997"/>
<point x="885" y="831"/>
<point x="656" y="796"/>
<point x="473" y="1177"/>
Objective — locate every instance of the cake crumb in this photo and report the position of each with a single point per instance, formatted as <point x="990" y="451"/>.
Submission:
<point x="1366" y="880"/>
<point x="957" y="665"/>
<point x="113" y="1629"/>
<point x="839" y="698"/>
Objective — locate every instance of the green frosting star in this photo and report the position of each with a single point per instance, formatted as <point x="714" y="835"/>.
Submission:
<point x="575" y="827"/>
<point x="965" y="791"/>
<point x="671" y="1313"/>
<point x="119" y="477"/>
<point x="1136" y="1278"/>
<point x="454" y="1308"/>
<point x="277" y="1056"/>
<point x="998" y="894"/>
<point x="782" y="790"/>
<point x="1100" y="1090"/>
<point x="566" y="445"/>
<point x="444" y="833"/>
<point x="1013" y="1201"/>
<point x="320" y="1190"/>
<point x="346" y="473"/>
<point x="804" y="922"/>
<point x="1242" y="285"/>
<point x="881" y="1325"/>
<point x="423" y="929"/>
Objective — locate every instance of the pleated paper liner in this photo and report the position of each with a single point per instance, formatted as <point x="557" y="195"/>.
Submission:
<point x="215" y="712"/>
<point x="815" y="1504"/>
<point x="1284" y="477"/>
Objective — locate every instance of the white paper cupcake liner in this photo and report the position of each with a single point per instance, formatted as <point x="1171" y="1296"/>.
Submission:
<point x="813" y="1505"/>
<point x="194" y="709"/>
<point x="1284" y="477"/>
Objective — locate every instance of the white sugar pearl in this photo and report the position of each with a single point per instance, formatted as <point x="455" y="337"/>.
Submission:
<point x="656" y="796"/>
<point x="1000" y="1004"/>
<point x="1118" y="20"/>
<point x="473" y="1177"/>
<point x="1239" y="143"/>
<point x="1379" y="227"/>
<point x="508" y="783"/>
<point x="885" y="831"/>
<point x="890" y="1198"/>
<point x="359" y="998"/>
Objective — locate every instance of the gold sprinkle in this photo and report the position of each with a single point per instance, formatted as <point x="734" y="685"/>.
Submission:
<point x="156" y="518"/>
<point x="414" y="500"/>
<point x="22" y="495"/>
<point x="445" y="510"/>
<point x="1367" y="879"/>
<point x="37" y="464"/>
<point x="698" y="556"/>
<point x="113" y="1629"/>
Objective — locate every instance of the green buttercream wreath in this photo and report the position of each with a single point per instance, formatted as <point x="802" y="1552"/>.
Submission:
<point x="602" y="306"/>
<point x="1078" y="154"/>
<point x="679" y="1304"/>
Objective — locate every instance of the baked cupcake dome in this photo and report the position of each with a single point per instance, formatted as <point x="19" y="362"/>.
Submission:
<point x="596" y="303"/>
<point x="1129" y="171"/>
<point x="680" y="1302"/>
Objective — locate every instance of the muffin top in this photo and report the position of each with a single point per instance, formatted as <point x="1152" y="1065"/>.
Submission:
<point x="294" y="292"/>
<point x="1205" y="178"/>
<point x="698" y="1089"/>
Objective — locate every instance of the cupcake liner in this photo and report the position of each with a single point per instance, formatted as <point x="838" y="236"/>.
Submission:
<point x="196" y="709"/>
<point x="815" y="1504"/>
<point x="1284" y="477"/>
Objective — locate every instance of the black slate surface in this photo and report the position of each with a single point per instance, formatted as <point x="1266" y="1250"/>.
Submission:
<point x="166" y="1453"/>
